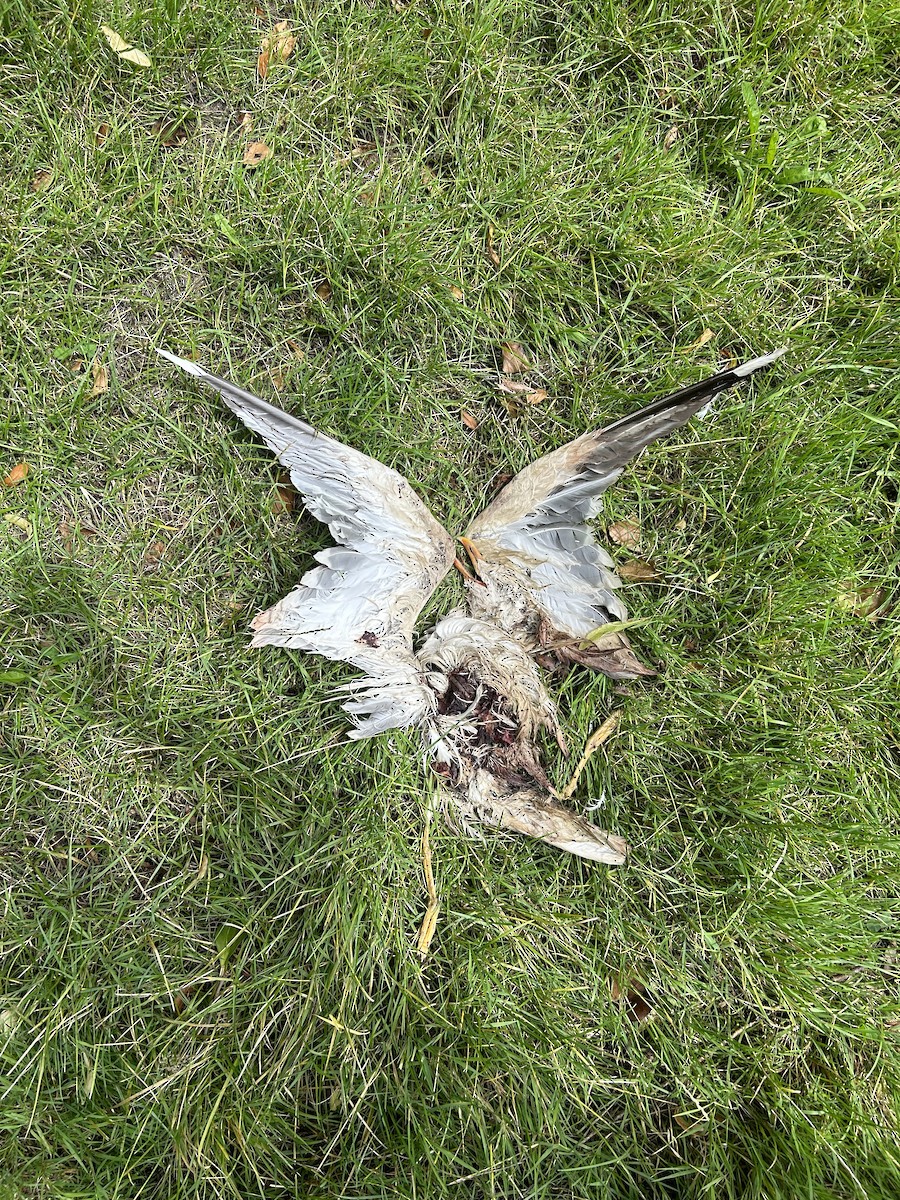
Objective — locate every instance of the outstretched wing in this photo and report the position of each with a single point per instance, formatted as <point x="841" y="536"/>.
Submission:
<point x="536" y="528"/>
<point x="361" y="603"/>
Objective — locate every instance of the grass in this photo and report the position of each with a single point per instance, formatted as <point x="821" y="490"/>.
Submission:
<point x="210" y="901"/>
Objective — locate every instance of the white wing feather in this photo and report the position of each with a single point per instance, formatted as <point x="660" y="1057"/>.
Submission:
<point x="361" y="603"/>
<point x="536" y="528"/>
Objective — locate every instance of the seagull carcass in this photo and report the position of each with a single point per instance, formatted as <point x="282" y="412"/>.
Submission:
<point x="541" y="587"/>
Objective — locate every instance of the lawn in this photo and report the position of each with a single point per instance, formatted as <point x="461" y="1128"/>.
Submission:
<point x="210" y="984"/>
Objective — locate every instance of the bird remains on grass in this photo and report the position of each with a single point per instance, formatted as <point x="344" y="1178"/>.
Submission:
<point x="539" y="587"/>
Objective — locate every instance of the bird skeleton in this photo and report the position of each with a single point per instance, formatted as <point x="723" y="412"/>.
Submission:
<point x="540" y="586"/>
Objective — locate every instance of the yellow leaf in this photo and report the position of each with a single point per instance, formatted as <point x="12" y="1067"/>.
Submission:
<point x="138" y="57"/>
<point x="116" y="41"/>
<point x="515" y="359"/>
<point x="706" y="336"/>
<point x="19" y="522"/>
<point x="101" y="379"/>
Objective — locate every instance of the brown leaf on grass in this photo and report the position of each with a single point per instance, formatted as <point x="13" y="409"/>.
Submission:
<point x="171" y="131"/>
<point x="101" y="133"/>
<point x="298" y="352"/>
<point x="256" y="153"/>
<point x="153" y="554"/>
<point x="522" y="391"/>
<point x="278" y="379"/>
<point x="101" y="379"/>
<point x="41" y="181"/>
<point x="491" y="251"/>
<point x="866" y="602"/>
<point x="456" y="293"/>
<point x="68" y="532"/>
<point x="277" y="46"/>
<point x="625" y="533"/>
<point x="671" y="138"/>
<point x="243" y="120"/>
<point x="323" y="291"/>
<point x="76" y="365"/>
<point x="283" y="501"/>
<point x="367" y="198"/>
<point x="637" y="571"/>
<point x="283" y="41"/>
<point x="19" y="472"/>
<point x="706" y="336"/>
<point x="515" y="360"/>
<point x="468" y="420"/>
<point x="632" y="994"/>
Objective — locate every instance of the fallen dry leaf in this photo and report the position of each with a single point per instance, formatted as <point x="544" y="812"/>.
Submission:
<point x="632" y="994"/>
<point x="298" y="352"/>
<point x="243" y="120"/>
<point x="153" y="553"/>
<point x="491" y="251"/>
<point x="283" y="502"/>
<point x="278" y="45"/>
<point x="138" y="57"/>
<point x="625" y="533"/>
<point x="367" y="198"/>
<point x="706" y="336"/>
<point x="637" y="571"/>
<point x="323" y="291"/>
<point x="456" y="293"/>
<point x="101" y="133"/>
<point x="101" y="379"/>
<point x="116" y="42"/>
<point x="41" y="181"/>
<point x="468" y="420"/>
<point x="671" y="138"/>
<point x="76" y="365"/>
<point x="171" y="131"/>
<point x="18" y="521"/>
<point x="515" y="360"/>
<point x="283" y="41"/>
<point x="256" y="153"/>
<point x="19" y="472"/>
<point x="278" y="379"/>
<point x="866" y="602"/>
<point x="123" y="49"/>
<point x="522" y="391"/>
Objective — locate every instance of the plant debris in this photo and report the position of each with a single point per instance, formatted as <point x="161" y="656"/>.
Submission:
<point x="866" y="602"/>
<point x="101" y="379"/>
<point x="671" y="138"/>
<point x="633" y="996"/>
<point x="20" y="472"/>
<point x="637" y="571"/>
<point x="276" y="46"/>
<point x="491" y="250"/>
<point x="171" y="131"/>
<point x="41" y="181"/>
<point x="593" y="744"/>
<point x="706" y="336"/>
<point x="515" y="360"/>
<point x="19" y="522"/>
<point x="124" y="49"/>
<point x="625" y="533"/>
<point x="468" y="420"/>
<point x="256" y="153"/>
